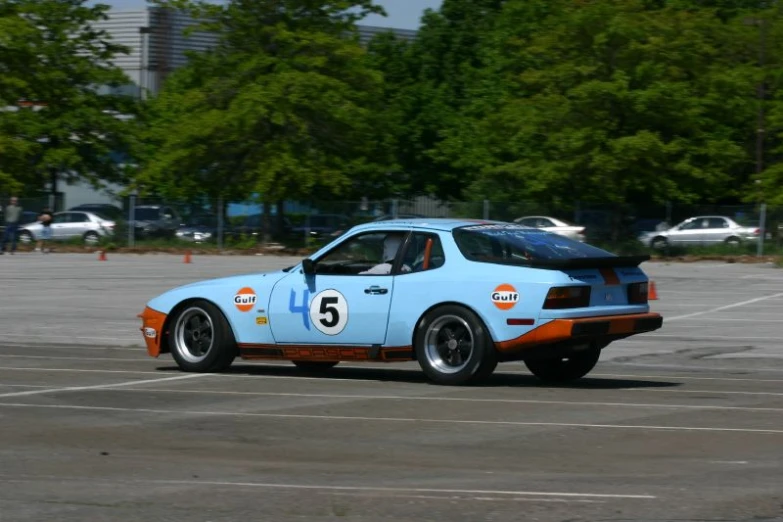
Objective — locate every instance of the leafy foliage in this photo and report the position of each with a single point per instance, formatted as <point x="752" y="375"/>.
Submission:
<point x="285" y="106"/>
<point x="56" y="123"/>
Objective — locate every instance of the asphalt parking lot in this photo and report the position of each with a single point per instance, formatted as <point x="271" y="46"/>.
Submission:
<point x="685" y="423"/>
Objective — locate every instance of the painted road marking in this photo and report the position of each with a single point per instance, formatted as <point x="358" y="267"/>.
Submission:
<point x="550" y="496"/>
<point x="268" y="485"/>
<point x="460" y="399"/>
<point x="237" y="375"/>
<point x="393" y="419"/>
<point x="101" y="386"/>
<point x="720" y="308"/>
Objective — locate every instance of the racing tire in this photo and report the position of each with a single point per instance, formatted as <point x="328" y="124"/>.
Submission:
<point x="453" y="346"/>
<point x="200" y="338"/>
<point x="659" y="243"/>
<point x="315" y="366"/>
<point x="25" y="237"/>
<point x="91" y="238"/>
<point x="565" y="369"/>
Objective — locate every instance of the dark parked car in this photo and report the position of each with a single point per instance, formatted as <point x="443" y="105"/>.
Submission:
<point x="154" y="221"/>
<point x="323" y="225"/>
<point x="253" y="226"/>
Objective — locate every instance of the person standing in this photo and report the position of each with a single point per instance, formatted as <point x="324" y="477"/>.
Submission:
<point x="45" y="218"/>
<point x="13" y="215"/>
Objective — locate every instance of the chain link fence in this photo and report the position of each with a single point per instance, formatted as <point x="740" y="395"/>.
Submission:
<point x="147" y="221"/>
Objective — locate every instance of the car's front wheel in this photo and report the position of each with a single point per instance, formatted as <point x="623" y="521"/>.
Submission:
<point x="201" y="339"/>
<point x="453" y="346"/>
<point x="565" y="369"/>
<point x="659" y="243"/>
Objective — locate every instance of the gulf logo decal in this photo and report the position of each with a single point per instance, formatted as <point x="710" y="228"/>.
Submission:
<point x="505" y="297"/>
<point x="245" y="299"/>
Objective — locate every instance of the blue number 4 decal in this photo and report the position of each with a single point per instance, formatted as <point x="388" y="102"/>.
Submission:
<point x="304" y="309"/>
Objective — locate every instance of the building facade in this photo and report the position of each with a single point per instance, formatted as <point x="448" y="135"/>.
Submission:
<point x="157" y="44"/>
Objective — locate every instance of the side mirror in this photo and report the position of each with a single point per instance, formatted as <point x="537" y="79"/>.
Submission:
<point x="308" y="267"/>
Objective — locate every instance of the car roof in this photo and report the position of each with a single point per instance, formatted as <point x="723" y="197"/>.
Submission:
<point x="444" y="224"/>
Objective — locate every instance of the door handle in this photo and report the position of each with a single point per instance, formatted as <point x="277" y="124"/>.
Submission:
<point x="376" y="290"/>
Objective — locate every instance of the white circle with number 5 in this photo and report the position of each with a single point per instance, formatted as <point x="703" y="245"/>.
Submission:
<point x="329" y="312"/>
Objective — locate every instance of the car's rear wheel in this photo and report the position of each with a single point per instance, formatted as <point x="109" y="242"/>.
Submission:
<point x="201" y="339"/>
<point x="315" y="366"/>
<point x="92" y="238"/>
<point x="25" y="237"/>
<point x="565" y="369"/>
<point x="453" y="346"/>
<point x="733" y="241"/>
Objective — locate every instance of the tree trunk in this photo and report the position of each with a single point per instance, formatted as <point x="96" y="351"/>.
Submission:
<point x="280" y="219"/>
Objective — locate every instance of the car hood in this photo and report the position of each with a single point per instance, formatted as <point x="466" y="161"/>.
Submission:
<point x="220" y="290"/>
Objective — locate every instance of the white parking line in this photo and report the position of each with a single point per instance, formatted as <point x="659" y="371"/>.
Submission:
<point x="409" y="420"/>
<point x="100" y="386"/>
<point x="461" y="399"/>
<point x="60" y="337"/>
<point x="237" y="375"/>
<point x="720" y="308"/>
<point x="71" y="358"/>
<point x="311" y="487"/>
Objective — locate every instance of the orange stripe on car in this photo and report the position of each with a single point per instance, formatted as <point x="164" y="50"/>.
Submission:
<point x="610" y="277"/>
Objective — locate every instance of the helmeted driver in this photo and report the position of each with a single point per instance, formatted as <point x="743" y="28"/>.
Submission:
<point x="391" y="244"/>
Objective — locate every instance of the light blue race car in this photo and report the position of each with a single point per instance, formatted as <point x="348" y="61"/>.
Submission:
<point x="458" y="296"/>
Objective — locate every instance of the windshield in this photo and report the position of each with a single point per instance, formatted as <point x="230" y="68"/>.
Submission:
<point x="515" y="244"/>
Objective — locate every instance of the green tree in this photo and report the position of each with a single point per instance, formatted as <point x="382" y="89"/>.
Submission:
<point x="615" y="103"/>
<point x="429" y="83"/>
<point x="54" y="60"/>
<point x="285" y="105"/>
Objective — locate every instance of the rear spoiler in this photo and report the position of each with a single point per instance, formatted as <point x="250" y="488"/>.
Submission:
<point x="588" y="262"/>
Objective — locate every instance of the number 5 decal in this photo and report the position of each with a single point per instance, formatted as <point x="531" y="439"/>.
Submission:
<point x="329" y="312"/>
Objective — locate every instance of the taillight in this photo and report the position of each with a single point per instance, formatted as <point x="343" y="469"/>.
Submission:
<point x="637" y="293"/>
<point x="567" y="297"/>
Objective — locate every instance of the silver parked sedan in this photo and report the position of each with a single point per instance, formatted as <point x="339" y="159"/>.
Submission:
<point x="551" y="224"/>
<point x="68" y="225"/>
<point x="702" y="231"/>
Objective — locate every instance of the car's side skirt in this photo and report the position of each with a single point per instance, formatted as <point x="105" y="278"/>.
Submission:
<point x="325" y="352"/>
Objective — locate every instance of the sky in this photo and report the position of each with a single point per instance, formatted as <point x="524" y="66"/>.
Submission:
<point x="401" y="14"/>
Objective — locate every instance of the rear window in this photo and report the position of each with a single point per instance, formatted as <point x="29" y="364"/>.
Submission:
<point x="519" y="245"/>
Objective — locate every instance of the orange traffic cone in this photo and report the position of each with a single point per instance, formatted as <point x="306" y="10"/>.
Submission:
<point x="102" y="256"/>
<point x="187" y="258"/>
<point x="652" y="293"/>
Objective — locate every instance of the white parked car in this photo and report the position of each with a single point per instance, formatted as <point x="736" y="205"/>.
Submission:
<point x="551" y="224"/>
<point x="702" y="231"/>
<point x="70" y="224"/>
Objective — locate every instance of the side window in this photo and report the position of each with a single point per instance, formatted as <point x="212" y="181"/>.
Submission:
<point x="78" y="217"/>
<point x="717" y="223"/>
<point x="691" y="225"/>
<point x="368" y="254"/>
<point x="424" y="252"/>
<point x="61" y="218"/>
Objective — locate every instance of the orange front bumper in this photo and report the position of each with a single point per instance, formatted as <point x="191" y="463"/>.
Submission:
<point x="152" y="323"/>
<point x="587" y="328"/>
